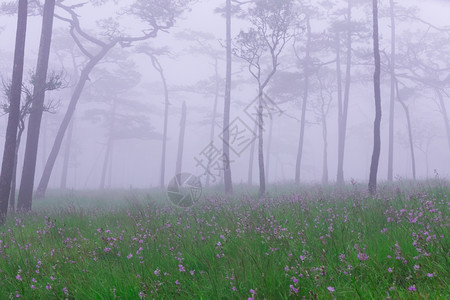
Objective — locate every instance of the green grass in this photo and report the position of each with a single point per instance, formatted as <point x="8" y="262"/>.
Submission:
<point x="297" y="242"/>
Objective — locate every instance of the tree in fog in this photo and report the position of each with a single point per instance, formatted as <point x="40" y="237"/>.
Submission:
<point x="54" y="82"/>
<point x="179" y="163"/>
<point x="37" y="107"/>
<point x="153" y="15"/>
<point x="9" y="151"/>
<point x="377" y="92"/>
<point x="154" y="55"/>
<point x="271" y="30"/>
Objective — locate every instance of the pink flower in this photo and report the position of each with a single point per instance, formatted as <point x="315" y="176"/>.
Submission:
<point x="129" y="256"/>
<point x="330" y="288"/>
<point x="412" y="288"/>
<point x="252" y="291"/>
<point x="18" y="277"/>
<point x="390" y="270"/>
<point x="430" y="275"/>
<point x="177" y="282"/>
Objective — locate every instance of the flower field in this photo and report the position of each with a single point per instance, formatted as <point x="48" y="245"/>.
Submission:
<point x="317" y="243"/>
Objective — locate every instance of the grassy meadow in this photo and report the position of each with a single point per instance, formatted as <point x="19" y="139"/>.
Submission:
<point x="312" y="242"/>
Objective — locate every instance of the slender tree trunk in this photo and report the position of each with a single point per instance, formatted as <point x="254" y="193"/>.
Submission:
<point x="343" y="120"/>
<point x="443" y="110"/>
<point x="390" y="176"/>
<point x="109" y="143"/>
<point x="325" y="150"/>
<point x="214" y="114"/>
<point x="106" y="163"/>
<point x="377" y="91"/>
<point x="410" y="135"/>
<point x="43" y="183"/>
<point x="181" y="139"/>
<point x="9" y="150"/>
<point x="262" y="179"/>
<point x="24" y="199"/>
<point x="304" y="104"/>
<point x="251" y="158"/>
<point x="65" y="169"/>
<point x="340" y="172"/>
<point x="12" y="195"/>
<point x="269" y="146"/>
<point x="227" y="104"/>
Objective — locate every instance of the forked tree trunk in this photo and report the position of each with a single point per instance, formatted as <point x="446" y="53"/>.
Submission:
<point x="226" y="115"/>
<point x="25" y="196"/>
<point x="390" y="176"/>
<point x="9" y="150"/>
<point x="377" y="91"/>
<point x="181" y="140"/>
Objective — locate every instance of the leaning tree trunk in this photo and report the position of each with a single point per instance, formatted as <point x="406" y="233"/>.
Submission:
<point x="65" y="169"/>
<point x="390" y="176"/>
<point x="181" y="140"/>
<point x="304" y="104"/>
<point x="227" y="104"/>
<point x="377" y="91"/>
<point x="9" y="150"/>
<point x="342" y="127"/>
<point x="25" y="196"/>
<point x="84" y="76"/>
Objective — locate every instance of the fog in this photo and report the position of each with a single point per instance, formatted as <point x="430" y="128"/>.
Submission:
<point x="118" y="124"/>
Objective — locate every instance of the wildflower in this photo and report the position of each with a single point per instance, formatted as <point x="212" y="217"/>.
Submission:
<point x="18" y="277"/>
<point x="32" y="287"/>
<point x="65" y="291"/>
<point x="192" y="272"/>
<point x="252" y="291"/>
<point x="390" y="270"/>
<point x="430" y="275"/>
<point x="412" y="288"/>
<point x="177" y="282"/>
<point x="416" y="267"/>
<point x="302" y="258"/>
<point x="129" y="256"/>
<point x="48" y="286"/>
<point x="331" y="289"/>
<point x="52" y="278"/>
<point x="295" y="290"/>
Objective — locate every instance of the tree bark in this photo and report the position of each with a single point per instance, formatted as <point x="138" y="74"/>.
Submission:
<point x="390" y="176"/>
<point x="342" y="127"/>
<point x="181" y="140"/>
<point x="377" y="91"/>
<point x="24" y="199"/>
<point x="227" y="104"/>
<point x="9" y="151"/>
<point x="445" y="118"/>
<point x="304" y="104"/>
<point x="84" y="76"/>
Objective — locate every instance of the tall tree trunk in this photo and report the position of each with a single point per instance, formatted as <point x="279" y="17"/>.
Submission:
<point x="445" y="118"/>
<point x="304" y="104"/>
<point x="262" y="179"/>
<point x="377" y="91"/>
<point x="105" y="163"/>
<point x="181" y="140"/>
<point x="109" y="144"/>
<point x="227" y="104"/>
<point x="342" y="127"/>
<point x="410" y="135"/>
<point x="43" y="183"/>
<point x="269" y="146"/>
<point x="66" y="158"/>
<point x="325" y="150"/>
<point x="9" y="150"/>
<point x="390" y="176"/>
<point x="25" y="196"/>
<point x="214" y="114"/>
